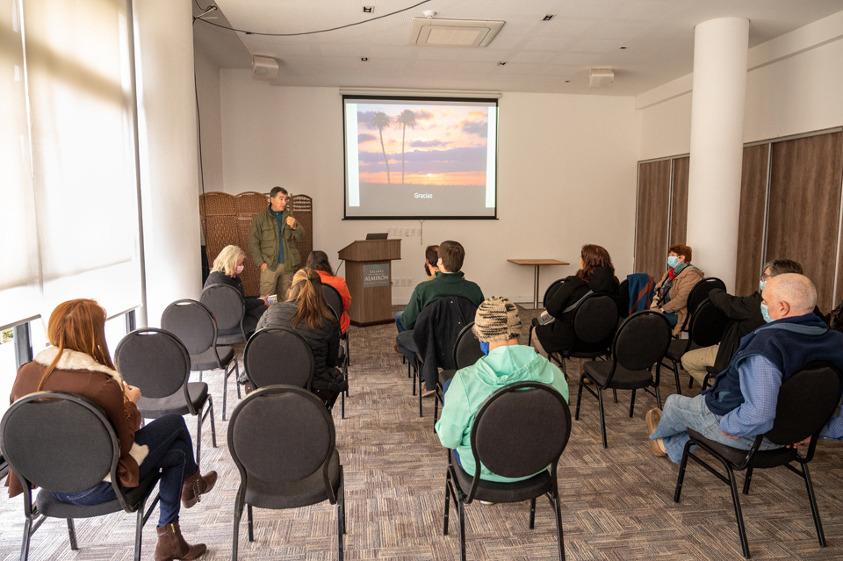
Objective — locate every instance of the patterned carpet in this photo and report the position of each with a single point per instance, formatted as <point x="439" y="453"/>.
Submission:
<point x="617" y="503"/>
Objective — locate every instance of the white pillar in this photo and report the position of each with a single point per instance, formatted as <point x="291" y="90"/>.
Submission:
<point x="717" y="108"/>
<point x="168" y="152"/>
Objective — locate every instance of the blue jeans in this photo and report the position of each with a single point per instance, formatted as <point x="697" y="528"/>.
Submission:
<point x="170" y="451"/>
<point x="681" y="413"/>
<point x="398" y="323"/>
<point x="671" y="317"/>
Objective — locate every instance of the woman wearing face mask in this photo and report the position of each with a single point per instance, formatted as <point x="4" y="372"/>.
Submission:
<point x="227" y="268"/>
<point x="671" y="295"/>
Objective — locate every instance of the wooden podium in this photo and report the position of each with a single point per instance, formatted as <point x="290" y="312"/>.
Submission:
<point x="368" y="272"/>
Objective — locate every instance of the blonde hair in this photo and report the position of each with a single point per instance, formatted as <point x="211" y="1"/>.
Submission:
<point x="226" y="261"/>
<point x="306" y="292"/>
<point x="78" y="325"/>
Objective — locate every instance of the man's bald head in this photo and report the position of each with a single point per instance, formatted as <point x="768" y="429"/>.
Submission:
<point x="789" y="295"/>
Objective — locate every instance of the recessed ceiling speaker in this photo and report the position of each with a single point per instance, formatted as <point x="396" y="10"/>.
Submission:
<point x="265" y="68"/>
<point x="601" y="77"/>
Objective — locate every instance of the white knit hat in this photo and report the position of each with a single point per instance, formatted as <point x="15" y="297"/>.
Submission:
<point x="497" y="320"/>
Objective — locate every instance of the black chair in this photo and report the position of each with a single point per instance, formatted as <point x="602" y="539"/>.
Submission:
<point x="194" y="324"/>
<point x="698" y="294"/>
<point x="229" y="309"/>
<point x="157" y="363"/>
<point x="278" y="356"/>
<point x="334" y="300"/>
<point x="282" y="441"/>
<point x="520" y="430"/>
<point x="806" y="402"/>
<point x="466" y="352"/>
<point x="66" y="444"/>
<point x="705" y="329"/>
<point x="623" y="299"/>
<point x="640" y="343"/>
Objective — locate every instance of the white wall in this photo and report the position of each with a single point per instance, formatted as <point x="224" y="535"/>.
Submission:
<point x="559" y="156"/>
<point x="208" y="86"/>
<point x="794" y="85"/>
<point x="169" y="168"/>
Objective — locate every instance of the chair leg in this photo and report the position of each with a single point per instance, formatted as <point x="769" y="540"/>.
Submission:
<point x="139" y="532"/>
<point x="736" y="500"/>
<point x="747" y="480"/>
<point x="199" y="419"/>
<point x="579" y="399"/>
<point x="251" y="523"/>
<point x="237" y="381"/>
<point x="421" y="406"/>
<point x="435" y="408"/>
<point x="815" y="511"/>
<point x="224" y="393"/>
<point x="658" y="397"/>
<point x="446" y="516"/>
<point x="340" y="520"/>
<point x="677" y="493"/>
<point x="615" y="394"/>
<point x="71" y="534"/>
<point x="559" y="534"/>
<point x="461" y="508"/>
<point x="675" y="368"/>
<point x="342" y="405"/>
<point x="602" y="417"/>
<point x="632" y="404"/>
<point x="532" y="513"/>
<point x="27" y="536"/>
<point x="213" y="424"/>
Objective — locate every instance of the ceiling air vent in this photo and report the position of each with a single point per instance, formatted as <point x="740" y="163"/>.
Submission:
<point x="440" y="32"/>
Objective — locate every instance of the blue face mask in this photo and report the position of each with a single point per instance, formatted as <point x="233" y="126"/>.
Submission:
<point x="672" y="261"/>
<point x="761" y="285"/>
<point x="484" y="348"/>
<point x="765" y="313"/>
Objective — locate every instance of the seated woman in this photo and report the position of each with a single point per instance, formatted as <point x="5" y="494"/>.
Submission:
<point x="497" y="327"/>
<point x="672" y="290"/>
<point x="318" y="261"/>
<point x="226" y="270"/>
<point x="431" y="261"/>
<point x="306" y="313"/>
<point x="597" y="274"/>
<point x="78" y="362"/>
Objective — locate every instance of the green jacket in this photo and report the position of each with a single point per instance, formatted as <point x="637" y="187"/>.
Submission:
<point x="443" y="284"/>
<point x="473" y="384"/>
<point x="263" y="240"/>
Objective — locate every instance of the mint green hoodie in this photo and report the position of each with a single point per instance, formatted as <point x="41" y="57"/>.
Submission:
<point x="471" y="386"/>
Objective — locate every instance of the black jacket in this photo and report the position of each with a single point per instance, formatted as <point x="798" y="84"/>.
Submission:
<point x="744" y="313"/>
<point x="436" y="331"/>
<point x="218" y="277"/>
<point x="323" y="341"/>
<point x="558" y="336"/>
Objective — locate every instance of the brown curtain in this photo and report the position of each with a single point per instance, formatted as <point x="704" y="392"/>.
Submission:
<point x="679" y="201"/>
<point x="751" y="225"/>
<point x="804" y="208"/>
<point x="651" y="217"/>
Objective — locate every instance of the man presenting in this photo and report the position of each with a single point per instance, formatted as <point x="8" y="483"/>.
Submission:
<point x="271" y="244"/>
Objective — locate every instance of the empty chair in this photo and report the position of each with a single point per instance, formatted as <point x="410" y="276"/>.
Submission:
<point x="67" y="445"/>
<point x="806" y="402"/>
<point x="705" y="328"/>
<point x="278" y="356"/>
<point x="194" y="324"/>
<point x="156" y="362"/>
<point x="466" y="352"/>
<point x="640" y="343"/>
<point x="282" y="441"/>
<point x="520" y="431"/>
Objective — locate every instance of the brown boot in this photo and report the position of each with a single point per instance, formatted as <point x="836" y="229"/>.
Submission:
<point x="195" y="486"/>
<point x="171" y="545"/>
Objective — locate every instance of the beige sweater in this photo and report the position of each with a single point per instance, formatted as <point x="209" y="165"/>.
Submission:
<point x="678" y="294"/>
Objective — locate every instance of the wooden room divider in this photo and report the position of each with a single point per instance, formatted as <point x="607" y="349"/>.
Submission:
<point x="225" y="220"/>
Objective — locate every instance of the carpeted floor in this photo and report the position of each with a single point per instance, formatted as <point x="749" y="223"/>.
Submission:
<point x="617" y="503"/>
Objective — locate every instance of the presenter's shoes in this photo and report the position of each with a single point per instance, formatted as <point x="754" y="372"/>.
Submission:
<point x="172" y="546"/>
<point x="656" y="446"/>
<point x="195" y="486"/>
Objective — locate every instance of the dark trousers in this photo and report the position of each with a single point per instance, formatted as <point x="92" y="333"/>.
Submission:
<point x="255" y="307"/>
<point x="170" y="451"/>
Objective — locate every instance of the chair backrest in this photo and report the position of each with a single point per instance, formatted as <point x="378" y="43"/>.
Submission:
<point x="333" y="299"/>
<point x="280" y="434"/>
<point x="520" y="430"/>
<point x="596" y="319"/>
<point x="193" y="323"/>
<point x="466" y="347"/>
<point x="154" y="360"/>
<point x="642" y="340"/>
<point x="226" y="305"/>
<point x="551" y="287"/>
<point x="707" y="325"/>
<point x="278" y="356"/>
<point x="807" y="400"/>
<point x="700" y="292"/>
<point x="623" y="298"/>
<point x="61" y="442"/>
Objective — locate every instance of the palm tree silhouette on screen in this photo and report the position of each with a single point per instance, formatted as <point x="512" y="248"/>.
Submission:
<point x="407" y="119"/>
<point x="381" y="121"/>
